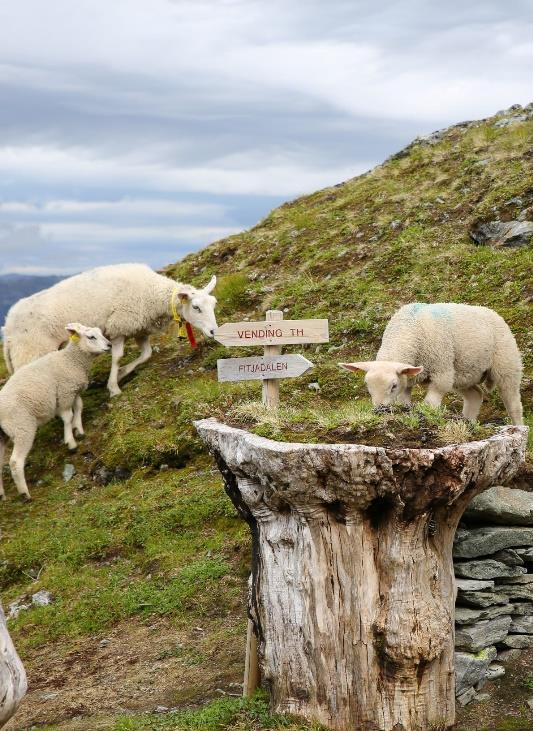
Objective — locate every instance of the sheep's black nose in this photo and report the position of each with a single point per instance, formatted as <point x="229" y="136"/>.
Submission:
<point x="212" y="332"/>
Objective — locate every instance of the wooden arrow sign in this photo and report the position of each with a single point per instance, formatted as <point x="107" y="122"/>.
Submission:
<point x="278" y="332"/>
<point x="250" y="369"/>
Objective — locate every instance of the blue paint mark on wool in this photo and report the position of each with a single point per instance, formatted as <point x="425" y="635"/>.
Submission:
<point x="438" y="312"/>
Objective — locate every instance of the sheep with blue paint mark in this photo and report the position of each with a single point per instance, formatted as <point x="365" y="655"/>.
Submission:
<point x="452" y="347"/>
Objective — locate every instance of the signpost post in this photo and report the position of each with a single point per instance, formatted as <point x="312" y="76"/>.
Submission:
<point x="272" y="334"/>
<point x="271" y="385"/>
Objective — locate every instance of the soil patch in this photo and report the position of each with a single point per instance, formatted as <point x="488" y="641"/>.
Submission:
<point x="506" y="709"/>
<point x="134" y="668"/>
<point x="391" y="434"/>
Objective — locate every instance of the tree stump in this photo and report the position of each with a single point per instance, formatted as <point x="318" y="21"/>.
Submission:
<point x="353" y="593"/>
<point x="13" y="684"/>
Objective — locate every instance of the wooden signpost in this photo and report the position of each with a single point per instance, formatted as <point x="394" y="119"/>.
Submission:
<point x="274" y="331"/>
<point x="272" y="334"/>
<point x="273" y="366"/>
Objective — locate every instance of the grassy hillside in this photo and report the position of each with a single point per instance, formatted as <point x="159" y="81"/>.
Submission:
<point x="141" y="548"/>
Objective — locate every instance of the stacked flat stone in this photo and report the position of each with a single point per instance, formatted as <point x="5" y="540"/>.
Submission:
<point x="493" y="560"/>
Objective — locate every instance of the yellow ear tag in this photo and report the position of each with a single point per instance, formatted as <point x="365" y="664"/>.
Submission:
<point x="182" y="332"/>
<point x="74" y="337"/>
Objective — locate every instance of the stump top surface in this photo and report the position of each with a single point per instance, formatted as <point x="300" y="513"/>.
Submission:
<point x="358" y="473"/>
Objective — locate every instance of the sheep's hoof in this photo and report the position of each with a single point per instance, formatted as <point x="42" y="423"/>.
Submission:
<point x="114" y="392"/>
<point x="79" y="434"/>
<point x="2" y="497"/>
<point x="25" y="497"/>
<point x="72" y="447"/>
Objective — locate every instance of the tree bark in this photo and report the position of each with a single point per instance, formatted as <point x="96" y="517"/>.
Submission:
<point x="352" y="580"/>
<point x="13" y="683"/>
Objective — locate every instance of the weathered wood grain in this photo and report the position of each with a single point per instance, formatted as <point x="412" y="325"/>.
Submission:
<point x="352" y="580"/>
<point x="286" y="332"/>
<point x="261" y="368"/>
<point x="13" y="683"/>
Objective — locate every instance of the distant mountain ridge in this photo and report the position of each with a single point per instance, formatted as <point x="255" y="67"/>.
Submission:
<point x="15" y="286"/>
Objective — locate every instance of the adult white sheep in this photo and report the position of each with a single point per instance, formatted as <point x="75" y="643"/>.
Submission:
<point x="456" y="347"/>
<point x="123" y="300"/>
<point x="47" y="387"/>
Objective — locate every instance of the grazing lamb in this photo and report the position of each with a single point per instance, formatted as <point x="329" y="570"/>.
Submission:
<point x="457" y="347"/>
<point x="47" y="387"/>
<point x="123" y="300"/>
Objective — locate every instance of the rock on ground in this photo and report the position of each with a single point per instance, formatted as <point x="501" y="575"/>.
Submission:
<point x="495" y="671"/>
<point x="472" y="585"/>
<point x="466" y="697"/>
<point x="526" y="553"/>
<point x="499" y="233"/>
<point x="522" y="625"/>
<point x="487" y="569"/>
<point x="522" y="608"/>
<point x="509" y="556"/>
<point x="481" y="598"/>
<point x="470" y="668"/>
<point x="464" y="615"/>
<point x="475" y="637"/>
<point x="515" y="591"/>
<point x="509" y="655"/>
<point x="522" y="580"/>
<point x="474" y="542"/>
<point x="42" y="598"/>
<point x="518" y="642"/>
<point x="502" y="505"/>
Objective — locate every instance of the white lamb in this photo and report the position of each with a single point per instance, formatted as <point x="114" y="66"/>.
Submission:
<point x="47" y="387"/>
<point x="123" y="300"/>
<point x="457" y="347"/>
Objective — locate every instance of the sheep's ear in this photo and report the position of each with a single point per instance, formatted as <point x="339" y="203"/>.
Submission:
<point x="211" y="285"/>
<point x="410" y="370"/>
<point x="360" y="366"/>
<point x="74" y="328"/>
<point x="184" y="292"/>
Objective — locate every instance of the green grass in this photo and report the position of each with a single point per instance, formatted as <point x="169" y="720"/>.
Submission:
<point x="226" y="714"/>
<point x="329" y="421"/>
<point x="222" y="715"/>
<point x="159" y="546"/>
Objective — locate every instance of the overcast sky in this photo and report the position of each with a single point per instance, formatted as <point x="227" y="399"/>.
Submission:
<point x="139" y="130"/>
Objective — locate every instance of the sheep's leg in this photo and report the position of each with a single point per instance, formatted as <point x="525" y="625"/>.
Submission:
<point x="435" y="395"/>
<point x="143" y="342"/>
<point x="472" y="400"/>
<point x="68" y="418"/>
<point x="2" y="456"/>
<point x="22" y="443"/>
<point x="117" y="351"/>
<point x="439" y="386"/>
<point x="510" y="391"/>
<point x="77" y="423"/>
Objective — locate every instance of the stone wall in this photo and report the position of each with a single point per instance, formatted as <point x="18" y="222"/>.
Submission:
<point x="493" y="559"/>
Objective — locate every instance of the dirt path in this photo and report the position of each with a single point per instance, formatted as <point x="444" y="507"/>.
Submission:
<point x="135" y="667"/>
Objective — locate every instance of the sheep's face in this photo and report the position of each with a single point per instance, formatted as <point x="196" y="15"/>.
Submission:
<point x="198" y="307"/>
<point x="88" y="339"/>
<point x="387" y="382"/>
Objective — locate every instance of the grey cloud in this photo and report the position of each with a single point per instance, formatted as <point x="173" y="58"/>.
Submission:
<point x="238" y="103"/>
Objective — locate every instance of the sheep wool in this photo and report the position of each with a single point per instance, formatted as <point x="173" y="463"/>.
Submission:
<point x="123" y="300"/>
<point x="453" y="347"/>
<point x="47" y="387"/>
